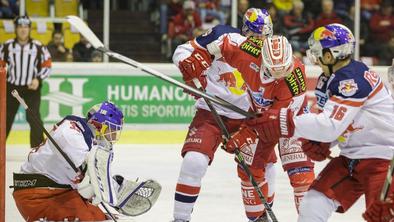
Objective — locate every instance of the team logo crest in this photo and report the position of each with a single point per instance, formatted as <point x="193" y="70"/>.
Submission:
<point x="259" y="100"/>
<point x="347" y="87"/>
<point x="324" y="33"/>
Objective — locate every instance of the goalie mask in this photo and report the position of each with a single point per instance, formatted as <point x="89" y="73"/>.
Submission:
<point x="107" y="120"/>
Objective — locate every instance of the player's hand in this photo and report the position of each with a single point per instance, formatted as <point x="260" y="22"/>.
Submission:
<point x="241" y="139"/>
<point x="34" y="84"/>
<point x="194" y="66"/>
<point x="273" y="124"/>
<point x="317" y="151"/>
<point x="380" y="211"/>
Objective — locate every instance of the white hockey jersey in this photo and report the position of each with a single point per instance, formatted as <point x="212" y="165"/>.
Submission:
<point x="223" y="80"/>
<point x="75" y="138"/>
<point x="357" y="112"/>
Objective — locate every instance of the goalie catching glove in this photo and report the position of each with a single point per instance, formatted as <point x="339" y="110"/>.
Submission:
<point x="128" y="197"/>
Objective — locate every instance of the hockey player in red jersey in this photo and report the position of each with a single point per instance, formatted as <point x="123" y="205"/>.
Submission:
<point x="204" y="134"/>
<point x="265" y="89"/>
<point x="356" y="113"/>
<point x="48" y="188"/>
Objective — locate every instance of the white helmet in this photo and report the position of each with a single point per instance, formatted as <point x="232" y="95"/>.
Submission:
<point x="277" y="57"/>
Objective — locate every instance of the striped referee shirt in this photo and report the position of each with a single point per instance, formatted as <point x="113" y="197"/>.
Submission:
<point x="26" y="62"/>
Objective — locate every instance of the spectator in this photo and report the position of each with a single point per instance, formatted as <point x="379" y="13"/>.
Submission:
<point x="299" y="25"/>
<point x="276" y="20"/>
<point x="243" y="5"/>
<point x="327" y="16"/>
<point x="82" y="50"/>
<point x="342" y="7"/>
<point x="209" y="8"/>
<point x="9" y="8"/>
<point x="387" y="54"/>
<point x="314" y="7"/>
<point x="25" y="74"/>
<point x="185" y="25"/>
<point x="283" y="6"/>
<point x="348" y="20"/>
<point x="382" y="26"/>
<point x="369" y="7"/>
<point x="57" y="49"/>
<point x="97" y="56"/>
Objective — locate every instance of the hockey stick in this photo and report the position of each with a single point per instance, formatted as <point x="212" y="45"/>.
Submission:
<point x="387" y="181"/>
<point x="226" y="136"/>
<point x="97" y="44"/>
<point x="39" y="125"/>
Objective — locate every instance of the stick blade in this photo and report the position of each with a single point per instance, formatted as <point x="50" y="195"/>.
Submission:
<point x="80" y="25"/>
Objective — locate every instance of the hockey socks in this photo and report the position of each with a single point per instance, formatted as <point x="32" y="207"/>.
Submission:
<point x="254" y="208"/>
<point x="194" y="167"/>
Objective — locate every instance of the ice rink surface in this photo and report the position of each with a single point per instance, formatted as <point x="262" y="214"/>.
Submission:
<point x="220" y="197"/>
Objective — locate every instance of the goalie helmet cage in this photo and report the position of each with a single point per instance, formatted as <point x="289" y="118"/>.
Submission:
<point x="2" y="144"/>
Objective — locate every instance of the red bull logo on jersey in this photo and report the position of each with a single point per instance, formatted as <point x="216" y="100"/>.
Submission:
<point x="348" y="87"/>
<point x="234" y="82"/>
<point x="350" y="129"/>
<point x="323" y="33"/>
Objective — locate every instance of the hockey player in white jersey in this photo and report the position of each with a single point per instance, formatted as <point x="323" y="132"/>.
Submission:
<point x="48" y="188"/>
<point x="204" y="134"/>
<point x="356" y="113"/>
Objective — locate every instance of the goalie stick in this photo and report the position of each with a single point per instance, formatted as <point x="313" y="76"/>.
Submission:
<point x="97" y="44"/>
<point x="226" y="136"/>
<point x="38" y="124"/>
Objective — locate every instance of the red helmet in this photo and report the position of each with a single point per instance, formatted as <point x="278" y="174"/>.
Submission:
<point x="277" y="56"/>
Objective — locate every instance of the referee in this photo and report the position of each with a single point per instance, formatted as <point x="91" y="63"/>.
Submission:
<point x="28" y="62"/>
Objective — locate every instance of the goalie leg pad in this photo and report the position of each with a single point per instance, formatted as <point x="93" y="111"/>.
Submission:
<point x="99" y="171"/>
<point x="137" y="198"/>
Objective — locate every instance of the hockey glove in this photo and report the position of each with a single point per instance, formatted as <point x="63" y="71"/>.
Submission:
<point x="380" y="211"/>
<point x="273" y="124"/>
<point x="317" y="151"/>
<point x="241" y="139"/>
<point x="194" y="66"/>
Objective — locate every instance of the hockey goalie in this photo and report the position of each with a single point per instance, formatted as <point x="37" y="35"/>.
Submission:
<point x="48" y="188"/>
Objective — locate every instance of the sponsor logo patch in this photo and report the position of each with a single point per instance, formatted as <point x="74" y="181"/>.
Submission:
<point x="348" y="87"/>
<point x="252" y="46"/>
<point x="296" y="82"/>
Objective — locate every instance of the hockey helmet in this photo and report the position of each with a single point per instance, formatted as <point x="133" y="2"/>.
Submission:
<point x="257" y="22"/>
<point x="277" y="57"/>
<point x="337" y="38"/>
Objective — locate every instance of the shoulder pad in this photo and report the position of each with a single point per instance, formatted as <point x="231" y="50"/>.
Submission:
<point x="214" y="33"/>
<point x="296" y="80"/>
<point x="83" y="126"/>
<point x="252" y="46"/>
<point x="354" y="81"/>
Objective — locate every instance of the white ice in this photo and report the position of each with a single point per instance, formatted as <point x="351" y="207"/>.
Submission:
<point x="220" y="197"/>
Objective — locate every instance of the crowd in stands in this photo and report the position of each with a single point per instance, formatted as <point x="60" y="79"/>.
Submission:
<point x="76" y="49"/>
<point x="181" y="20"/>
